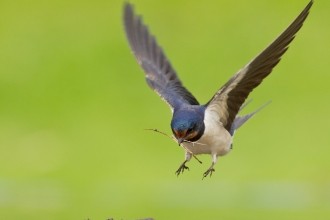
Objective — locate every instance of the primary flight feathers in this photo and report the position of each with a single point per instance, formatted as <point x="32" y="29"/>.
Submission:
<point x="160" y="75"/>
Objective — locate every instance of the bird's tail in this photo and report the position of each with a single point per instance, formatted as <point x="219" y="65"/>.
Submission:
<point x="240" y="120"/>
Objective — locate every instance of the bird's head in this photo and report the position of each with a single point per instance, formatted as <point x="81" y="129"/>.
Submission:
<point x="187" y="126"/>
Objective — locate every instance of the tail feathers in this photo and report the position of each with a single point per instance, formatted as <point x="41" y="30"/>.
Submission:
<point x="240" y="120"/>
<point x="244" y="105"/>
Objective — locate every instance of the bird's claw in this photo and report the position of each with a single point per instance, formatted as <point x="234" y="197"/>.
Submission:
<point x="209" y="171"/>
<point x="181" y="169"/>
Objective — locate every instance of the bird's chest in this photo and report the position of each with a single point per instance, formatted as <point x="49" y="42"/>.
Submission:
<point x="215" y="140"/>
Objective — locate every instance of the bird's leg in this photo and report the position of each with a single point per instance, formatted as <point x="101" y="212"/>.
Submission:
<point x="209" y="171"/>
<point x="183" y="165"/>
<point x="182" y="168"/>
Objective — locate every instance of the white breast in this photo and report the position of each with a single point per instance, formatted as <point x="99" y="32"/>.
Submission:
<point x="216" y="140"/>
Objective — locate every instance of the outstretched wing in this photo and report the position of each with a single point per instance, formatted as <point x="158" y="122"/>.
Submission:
<point x="226" y="103"/>
<point x="160" y="75"/>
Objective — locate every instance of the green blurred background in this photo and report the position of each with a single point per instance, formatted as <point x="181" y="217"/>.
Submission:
<point x="74" y="103"/>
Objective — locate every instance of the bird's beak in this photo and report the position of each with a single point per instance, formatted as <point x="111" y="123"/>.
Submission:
<point x="180" y="140"/>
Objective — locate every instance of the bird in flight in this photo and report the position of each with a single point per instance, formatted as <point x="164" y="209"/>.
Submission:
<point x="208" y="128"/>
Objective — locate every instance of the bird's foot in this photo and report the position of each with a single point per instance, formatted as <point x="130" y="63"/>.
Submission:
<point x="182" y="168"/>
<point x="209" y="171"/>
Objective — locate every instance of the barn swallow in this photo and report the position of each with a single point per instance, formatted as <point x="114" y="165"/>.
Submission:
<point x="208" y="128"/>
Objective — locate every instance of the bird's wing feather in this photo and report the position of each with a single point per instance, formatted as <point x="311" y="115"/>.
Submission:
<point x="226" y="103"/>
<point x="160" y="75"/>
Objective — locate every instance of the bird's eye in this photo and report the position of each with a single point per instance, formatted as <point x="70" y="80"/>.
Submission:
<point x="190" y="130"/>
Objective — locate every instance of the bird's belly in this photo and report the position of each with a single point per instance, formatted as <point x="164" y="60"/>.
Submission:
<point x="216" y="140"/>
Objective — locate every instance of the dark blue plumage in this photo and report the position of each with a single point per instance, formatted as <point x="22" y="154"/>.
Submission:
<point x="188" y="121"/>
